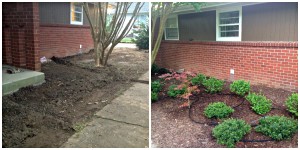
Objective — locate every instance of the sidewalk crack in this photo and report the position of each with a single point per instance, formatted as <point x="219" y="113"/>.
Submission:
<point x="122" y="122"/>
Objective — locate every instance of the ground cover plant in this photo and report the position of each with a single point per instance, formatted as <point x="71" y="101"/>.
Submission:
<point x="218" y="110"/>
<point x="259" y="103"/>
<point x="277" y="127"/>
<point x="170" y="115"/>
<point x="231" y="131"/>
<point x="175" y="90"/>
<point x="213" y="85"/>
<point x="240" y="87"/>
<point x="156" y="86"/>
<point x="292" y="104"/>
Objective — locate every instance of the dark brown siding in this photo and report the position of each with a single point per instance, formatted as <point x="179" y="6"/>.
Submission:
<point x="270" y="22"/>
<point x="56" y="13"/>
<point x="197" y="26"/>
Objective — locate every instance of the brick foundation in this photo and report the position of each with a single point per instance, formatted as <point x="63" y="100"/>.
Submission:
<point x="274" y="64"/>
<point x="64" y="40"/>
<point x="21" y="35"/>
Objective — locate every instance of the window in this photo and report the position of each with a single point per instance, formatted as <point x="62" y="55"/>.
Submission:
<point x="229" y="24"/>
<point x="171" y="29"/>
<point x="76" y="14"/>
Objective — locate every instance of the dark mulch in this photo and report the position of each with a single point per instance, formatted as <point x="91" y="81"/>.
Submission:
<point x="46" y="115"/>
<point x="173" y="126"/>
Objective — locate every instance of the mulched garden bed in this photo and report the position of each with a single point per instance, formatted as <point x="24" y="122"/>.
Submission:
<point x="47" y="115"/>
<point x="175" y="126"/>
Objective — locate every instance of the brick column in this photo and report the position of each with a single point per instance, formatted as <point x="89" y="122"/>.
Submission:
<point x="21" y="35"/>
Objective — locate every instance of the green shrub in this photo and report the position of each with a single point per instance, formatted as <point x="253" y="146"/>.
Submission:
<point x="198" y="80"/>
<point x="231" y="131"/>
<point x="240" y="87"/>
<point x="156" y="86"/>
<point x="277" y="127"/>
<point x="259" y="103"/>
<point x="292" y="103"/>
<point x="154" y="69"/>
<point x="142" y="39"/>
<point x="213" y="85"/>
<point x="218" y="110"/>
<point x="175" y="91"/>
<point x="154" y="96"/>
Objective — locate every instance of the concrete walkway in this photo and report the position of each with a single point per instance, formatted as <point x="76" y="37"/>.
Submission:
<point x="122" y="124"/>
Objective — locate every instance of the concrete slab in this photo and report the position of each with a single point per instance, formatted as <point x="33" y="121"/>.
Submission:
<point x="123" y="123"/>
<point x="109" y="134"/>
<point x="13" y="82"/>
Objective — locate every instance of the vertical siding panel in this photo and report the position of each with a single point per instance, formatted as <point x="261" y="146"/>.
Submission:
<point x="295" y="31"/>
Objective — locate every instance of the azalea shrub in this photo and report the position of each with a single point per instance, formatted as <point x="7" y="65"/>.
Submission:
<point x="156" y="86"/>
<point x="198" y="80"/>
<point x="175" y="90"/>
<point x="218" y="110"/>
<point x="230" y="131"/>
<point x="292" y="104"/>
<point x="240" y="87"/>
<point x="259" y="103"/>
<point x="154" y="96"/>
<point x="213" y="85"/>
<point x="277" y="127"/>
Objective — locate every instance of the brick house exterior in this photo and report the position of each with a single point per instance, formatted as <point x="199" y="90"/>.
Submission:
<point x="268" y="56"/>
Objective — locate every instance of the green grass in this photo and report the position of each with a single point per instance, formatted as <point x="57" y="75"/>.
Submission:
<point x="126" y="40"/>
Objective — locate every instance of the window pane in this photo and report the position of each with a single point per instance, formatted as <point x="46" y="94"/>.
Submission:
<point x="229" y="14"/>
<point x="230" y="34"/>
<point x="229" y="28"/>
<point x="76" y="16"/>
<point x="78" y="7"/>
<point x="229" y="20"/>
<point x="171" y="23"/>
<point x="172" y="33"/>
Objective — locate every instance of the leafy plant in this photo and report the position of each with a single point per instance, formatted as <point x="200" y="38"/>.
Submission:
<point x="240" y="87"/>
<point x="198" y="80"/>
<point x="292" y="103"/>
<point x="277" y="127"/>
<point x="231" y="131"/>
<point x="154" y="69"/>
<point x="213" y="85"/>
<point x="142" y="39"/>
<point x="156" y="86"/>
<point x="259" y="103"/>
<point x="154" y="96"/>
<point x="218" y="110"/>
<point x="176" y="90"/>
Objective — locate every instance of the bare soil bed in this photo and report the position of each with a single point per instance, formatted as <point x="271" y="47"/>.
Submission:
<point x="47" y="115"/>
<point x="174" y="126"/>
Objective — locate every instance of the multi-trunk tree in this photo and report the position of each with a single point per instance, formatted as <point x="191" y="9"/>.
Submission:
<point x="109" y="25"/>
<point x="160" y="11"/>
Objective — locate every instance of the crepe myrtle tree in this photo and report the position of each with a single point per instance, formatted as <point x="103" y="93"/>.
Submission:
<point x="108" y="26"/>
<point x="160" y="11"/>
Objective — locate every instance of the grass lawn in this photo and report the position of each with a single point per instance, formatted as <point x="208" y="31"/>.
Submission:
<point x="126" y="40"/>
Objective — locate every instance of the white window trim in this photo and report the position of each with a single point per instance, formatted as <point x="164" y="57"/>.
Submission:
<point x="177" y="29"/>
<point x="218" y="37"/>
<point x="75" y="22"/>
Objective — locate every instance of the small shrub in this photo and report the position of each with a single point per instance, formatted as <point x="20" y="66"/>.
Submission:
<point x="277" y="127"/>
<point x="198" y="80"/>
<point x="240" y="87"/>
<point x="259" y="103"/>
<point x="213" y="85"/>
<point x="142" y="39"/>
<point x="156" y="86"/>
<point x="154" y="69"/>
<point x="218" y="110"/>
<point x="231" y="131"/>
<point x="292" y="104"/>
<point x="175" y="91"/>
<point x="154" y="96"/>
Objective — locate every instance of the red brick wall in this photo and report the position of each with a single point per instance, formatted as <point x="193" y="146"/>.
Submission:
<point x="274" y="64"/>
<point x="21" y="35"/>
<point x="64" y="40"/>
